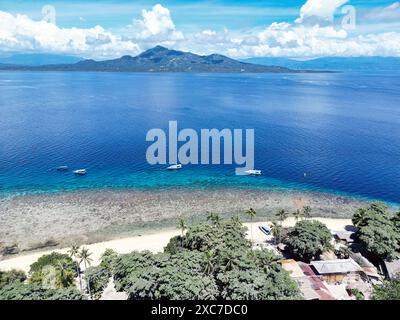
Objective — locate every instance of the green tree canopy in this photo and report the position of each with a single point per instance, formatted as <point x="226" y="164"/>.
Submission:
<point x="8" y="277"/>
<point x="64" y="266"/>
<point x="21" y="291"/>
<point x="97" y="278"/>
<point x="107" y="259"/>
<point x="205" y="237"/>
<point x="377" y="233"/>
<point x="215" y="262"/>
<point x="308" y="239"/>
<point x="389" y="290"/>
<point x="164" y="276"/>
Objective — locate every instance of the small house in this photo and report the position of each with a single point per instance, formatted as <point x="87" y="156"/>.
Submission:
<point x="310" y="285"/>
<point x="333" y="271"/>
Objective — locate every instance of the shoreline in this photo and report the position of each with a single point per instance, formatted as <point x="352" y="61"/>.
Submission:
<point x="154" y="242"/>
<point x="101" y="215"/>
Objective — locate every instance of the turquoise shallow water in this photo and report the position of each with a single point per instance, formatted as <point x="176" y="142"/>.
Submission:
<point x="341" y="129"/>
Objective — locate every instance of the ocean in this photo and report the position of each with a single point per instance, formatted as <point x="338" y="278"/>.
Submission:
<point x="341" y="129"/>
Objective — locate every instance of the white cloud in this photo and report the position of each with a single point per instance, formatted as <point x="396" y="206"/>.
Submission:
<point x="319" y="10"/>
<point x="156" y="26"/>
<point x="302" y="42"/>
<point x="303" y="39"/>
<point x="297" y="41"/>
<point x="385" y="14"/>
<point x="308" y="37"/>
<point x="20" y="33"/>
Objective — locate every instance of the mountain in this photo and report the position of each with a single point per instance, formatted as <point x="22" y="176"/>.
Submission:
<point x="38" y="59"/>
<point x="160" y="59"/>
<point x="334" y="63"/>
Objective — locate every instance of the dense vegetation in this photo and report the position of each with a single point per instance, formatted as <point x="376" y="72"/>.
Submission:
<point x="389" y="290"/>
<point x="13" y="286"/>
<point x="50" y="278"/>
<point x="212" y="261"/>
<point x="308" y="240"/>
<point x="29" y="291"/>
<point x="61" y="266"/>
<point x="8" y="277"/>
<point x="379" y="231"/>
<point x="97" y="278"/>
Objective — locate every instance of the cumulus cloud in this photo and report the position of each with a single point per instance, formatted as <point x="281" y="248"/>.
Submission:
<point x="312" y="35"/>
<point x="307" y="37"/>
<point x="20" y="33"/>
<point x="319" y="10"/>
<point x="156" y="25"/>
<point x="298" y="41"/>
<point x="385" y="14"/>
<point x="304" y="42"/>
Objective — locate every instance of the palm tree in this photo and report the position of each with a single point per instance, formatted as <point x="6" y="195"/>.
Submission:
<point x="73" y="253"/>
<point x="298" y="214"/>
<point x="359" y="217"/>
<point x="282" y="215"/>
<point x="229" y="262"/>
<point x="182" y="225"/>
<point x="236" y="220"/>
<point x="251" y="213"/>
<point x="307" y="211"/>
<point x="65" y="280"/>
<point x="268" y="260"/>
<point x="209" y="262"/>
<point x="84" y="255"/>
<point x="214" y="218"/>
<point x="277" y="230"/>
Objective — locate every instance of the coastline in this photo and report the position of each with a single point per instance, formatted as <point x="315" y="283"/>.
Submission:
<point x="93" y="216"/>
<point x="154" y="242"/>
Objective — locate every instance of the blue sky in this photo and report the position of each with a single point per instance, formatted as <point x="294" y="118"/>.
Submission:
<point x="188" y="14"/>
<point x="237" y="28"/>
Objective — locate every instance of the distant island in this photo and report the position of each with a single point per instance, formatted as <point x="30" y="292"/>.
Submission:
<point x="160" y="59"/>
<point x="339" y="64"/>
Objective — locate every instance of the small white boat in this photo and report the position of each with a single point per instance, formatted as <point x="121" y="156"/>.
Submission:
<point x="253" y="172"/>
<point x="175" y="167"/>
<point x="80" y="172"/>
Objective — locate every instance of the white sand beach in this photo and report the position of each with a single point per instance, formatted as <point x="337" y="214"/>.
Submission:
<point x="154" y="242"/>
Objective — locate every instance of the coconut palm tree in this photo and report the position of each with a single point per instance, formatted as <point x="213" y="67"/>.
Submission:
<point x="182" y="226"/>
<point x="277" y="230"/>
<point x="66" y="277"/>
<point x="268" y="260"/>
<point x="307" y="211"/>
<point x="282" y="215"/>
<point x="214" y="218"/>
<point x="236" y="220"/>
<point x="209" y="260"/>
<point x="298" y="214"/>
<point x="73" y="253"/>
<point x="251" y="213"/>
<point x="84" y="255"/>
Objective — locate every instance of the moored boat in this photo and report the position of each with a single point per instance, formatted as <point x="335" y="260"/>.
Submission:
<point x="253" y="172"/>
<point x="175" y="167"/>
<point x="80" y="172"/>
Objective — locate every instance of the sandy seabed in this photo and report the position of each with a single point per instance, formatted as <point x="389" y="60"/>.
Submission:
<point x="94" y="216"/>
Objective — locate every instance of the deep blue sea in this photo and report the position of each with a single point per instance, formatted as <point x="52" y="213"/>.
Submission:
<point x="341" y="129"/>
